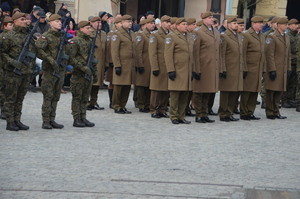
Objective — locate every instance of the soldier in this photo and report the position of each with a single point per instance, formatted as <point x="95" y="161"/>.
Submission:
<point x="47" y="49"/>
<point x="179" y="60"/>
<point x="110" y="69"/>
<point x="123" y="52"/>
<point x="159" y="78"/>
<point x="143" y="65"/>
<point x="254" y="63"/>
<point x="206" y="66"/>
<point x="278" y="68"/>
<point x="288" y="97"/>
<point x="298" y="76"/>
<point x="100" y="54"/>
<point x="231" y="81"/>
<point x="199" y="23"/>
<point x="16" y="85"/>
<point x="7" y="26"/>
<point x="173" y="23"/>
<point x="80" y="86"/>
<point x="241" y="25"/>
<point x="273" y="26"/>
<point x="191" y="22"/>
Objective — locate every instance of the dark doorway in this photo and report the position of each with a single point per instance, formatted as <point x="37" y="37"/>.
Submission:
<point x="292" y="9"/>
<point x="160" y="7"/>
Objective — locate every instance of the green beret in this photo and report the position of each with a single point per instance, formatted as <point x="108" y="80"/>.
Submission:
<point x="191" y="21"/>
<point x="94" y="19"/>
<point x="274" y="20"/>
<point x="199" y="23"/>
<point x="149" y="20"/>
<point x="180" y="20"/>
<point x="83" y="24"/>
<point x="165" y="18"/>
<point x="118" y="20"/>
<point x="293" y="21"/>
<point x="126" y="17"/>
<point x="257" y="19"/>
<point x="173" y="20"/>
<point x="206" y="14"/>
<point x="231" y="19"/>
<point x="240" y="21"/>
<point x="142" y="22"/>
<point x="18" y="15"/>
<point x="54" y="17"/>
<point x="8" y="20"/>
<point x="282" y="20"/>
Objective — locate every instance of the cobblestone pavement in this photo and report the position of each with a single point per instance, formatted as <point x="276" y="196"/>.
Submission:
<point x="136" y="156"/>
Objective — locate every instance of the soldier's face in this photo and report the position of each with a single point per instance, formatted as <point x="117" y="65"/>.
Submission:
<point x="241" y="28"/>
<point x="118" y="25"/>
<point x="233" y="26"/>
<point x="294" y="27"/>
<point x="6" y="13"/>
<point x="166" y="25"/>
<point x="20" y="22"/>
<point x="150" y="26"/>
<point x="86" y="30"/>
<point x="9" y="26"/>
<point x="209" y="21"/>
<point x="95" y="25"/>
<point x="282" y="27"/>
<point x="56" y="24"/>
<point x="182" y="27"/>
<point x="257" y="26"/>
<point x="127" y="24"/>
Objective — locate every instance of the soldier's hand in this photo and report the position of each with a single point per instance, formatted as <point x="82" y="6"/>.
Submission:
<point x="289" y="73"/>
<point x="111" y="65"/>
<point x="272" y="75"/>
<point x="141" y="70"/>
<point x="87" y="71"/>
<point x="197" y="76"/>
<point x="223" y="75"/>
<point x="118" y="71"/>
<point x="95" y="78"/>
<point x="106" y="68"/>
<point x="55" y="67"/>
<point x="155" y="73"/>
<point x="172" y="75"/>
<point x="17" y="64"/>
<point x="245" y="73"/>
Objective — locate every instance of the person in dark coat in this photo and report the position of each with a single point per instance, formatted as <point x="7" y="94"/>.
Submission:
<point x="103" y="16"/>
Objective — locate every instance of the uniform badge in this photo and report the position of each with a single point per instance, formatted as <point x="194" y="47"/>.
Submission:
<point x="194" y="37"/>
<point x="108" y="38"/>
<point x="3" y="38"/>
<point x="243" y="38"/>
<point x="43" y="37"/>
<point x="221" y="39"/>
<point x="139" y="38"/>
<point x="222" y="33"/>
<point x="151" y="39"/>
<point x="168" y="40"/>
<point x="114" y="37"/>
<point x="268" y="41"/>
<point x="71" y="42"/>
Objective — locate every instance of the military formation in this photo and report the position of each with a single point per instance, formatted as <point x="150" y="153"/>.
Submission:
<point x="178" y="66"/>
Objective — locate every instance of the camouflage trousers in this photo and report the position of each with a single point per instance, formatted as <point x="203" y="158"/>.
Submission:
<point x="15" y="91"/>
<point x="51" y="89"/>
<point x="263" y="90"/>
<point x="290" y="93"/>
<point x="298" y="88"/>
<point x="81" y="89"/>
<point x="2" y="88"/>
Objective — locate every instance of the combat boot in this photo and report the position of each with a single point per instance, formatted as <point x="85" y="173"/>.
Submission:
<point x="55" y="125"/>
<point x="46" y="125"/>
<point x="11" y="126"/>
<point x="21" y="125"/>
<point x="298" y="109"/>
<point x="2" y="115"/>
<point x="78" y="123"/>
<point x="88" y="123"/>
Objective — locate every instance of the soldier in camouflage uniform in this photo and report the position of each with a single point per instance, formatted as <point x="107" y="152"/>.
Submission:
<point x="16" y="85"/>
<point x="80" y="87"/>
<point x="298" y="76"/>
<point x="7" y="26"/>
<point x="288" y="97"/>
<point x="47" y="49"/>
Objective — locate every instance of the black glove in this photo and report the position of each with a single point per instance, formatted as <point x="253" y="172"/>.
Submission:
<point x="111" y="64"/>
<point x="263" y="74"/>
<point x="289" y="73"/>
<point x="172" y="75"/>
<point x="106" y="68"/>
<point x="273" y="75"/>
<point x="118" y="71"/>
<point x="87" y="71"/>
<point x="197" y="76"/>
<point x="95" y="78"/>
<point x="16" y="64"/>
<point x="223" y="75"/>
<point x="141" y="70"/>
<point x="155" y="72"/>
<point x="245" y="73"/>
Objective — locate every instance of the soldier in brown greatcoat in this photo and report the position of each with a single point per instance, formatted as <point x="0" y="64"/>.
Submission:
<point x="109" y="67"/>
<point x="179" y="60"/>
<point x="100" y="55"/>
<point x="254" y="63"/>
<point x="159" y="78"/>
<point x="278" y="56"/>
<point x="231" y="81"/>
<point x="142" y="81"/>
<point x="206" y="66"/>
<point x="123" y="51"/>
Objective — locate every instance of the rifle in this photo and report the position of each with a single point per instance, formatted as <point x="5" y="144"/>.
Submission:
<point x="60" y="57"/>
<point x="25" y="55"/>
<point x="91" y="60"/>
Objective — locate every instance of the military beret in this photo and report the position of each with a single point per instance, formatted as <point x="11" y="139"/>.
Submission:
<point x="118" y="20"/>
<point x="257" y="19"/>
<point x="274" y="20"/>
<point x="7" y="20"/>
<point x="293" y="21"/>
<point x="149" y="20"/>
<point x="199" y="23"/>
<point x="94" y="19"/>
<point x="191" y="21"/>
<point x="173" y="20"/>
<point x="142" y="22"/>
<point x="16" y="10"/>
<point x="240" y="21"/>
<point x="180" y="20"/>
<point x="216" y="20"/>
<point x="83" y="24"/>
<point x="165" y="18"/>
<point x="54" y="17"/>
<point x="206" y="14"/>
<point x="126" y="17"/>
<point x="231" y="19"/>
<point x="18" y="15"/>
<point x="282" y="20"/>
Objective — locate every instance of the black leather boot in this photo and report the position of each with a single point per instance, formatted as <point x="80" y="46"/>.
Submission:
<point x="78" y="123"/>
<point x="110" y="94"/>
<point x="55" y="125"/>
<point x="88" y="123"/>
<point x="11" y="126"/>
<point x="21" y="125"/>
<point x="46" y="125"/>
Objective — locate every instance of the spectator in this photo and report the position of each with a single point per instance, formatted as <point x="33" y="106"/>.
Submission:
<point x="43" y="26"/>
<point x="224" y="26"/>
<point x="63" y="11"/>
<point x="149" y="14"/>
<point x="103" y="16"/>
<point x="267" y="26"/>
<point x="5" y="9"/>
<point x="28" y="21"/>
<point x="137" y="26"/>
<point x="34" y="13"/>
